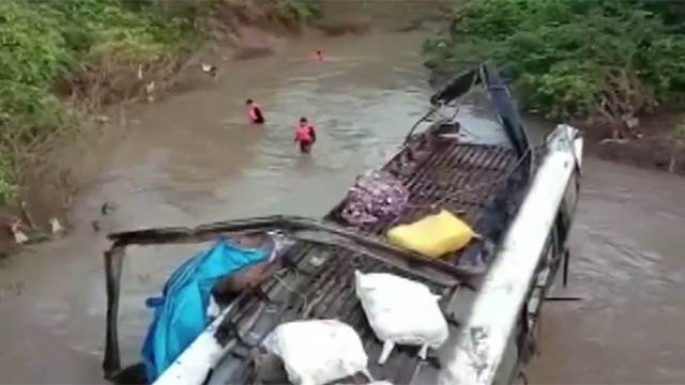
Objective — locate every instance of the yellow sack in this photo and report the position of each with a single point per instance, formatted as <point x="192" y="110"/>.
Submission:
<point x="433" y="236"/>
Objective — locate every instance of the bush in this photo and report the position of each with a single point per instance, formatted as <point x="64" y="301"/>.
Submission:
<point x="8" y="188"/>
<point x="604" y="59"/>
<point x="303" y="10"/>
<point x="72" y="43"/>
<point x="90" y="52"/>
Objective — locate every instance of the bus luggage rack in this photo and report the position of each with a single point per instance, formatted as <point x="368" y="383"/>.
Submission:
<point x="462" y="178"/>
<point x="327" y="292"/>
<point x="459" y="177"/>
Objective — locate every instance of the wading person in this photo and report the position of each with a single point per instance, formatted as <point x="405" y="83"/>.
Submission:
<point x="254" y="112"/>
<point x="305" y="135"/>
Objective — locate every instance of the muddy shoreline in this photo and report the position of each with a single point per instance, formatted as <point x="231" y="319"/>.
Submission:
<point x="52" y="185"/>
<point x="654" y="149"/>
<point x="238" y="31"/>
<point x="648" y="152"/>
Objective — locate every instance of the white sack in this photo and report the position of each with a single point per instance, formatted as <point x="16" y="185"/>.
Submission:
<point x="376" y="383"/>
<point x="401" y="311"/>
<point x="316" y="352"/>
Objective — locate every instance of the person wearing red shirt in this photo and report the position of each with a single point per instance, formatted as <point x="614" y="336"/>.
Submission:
<point x="254" y="112"/>
<point x="305" y="135"/>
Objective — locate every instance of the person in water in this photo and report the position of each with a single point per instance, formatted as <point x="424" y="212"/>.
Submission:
<point x="305" y="135"/>
<point x="254" y="112"/>
<point x="319" y="56"/>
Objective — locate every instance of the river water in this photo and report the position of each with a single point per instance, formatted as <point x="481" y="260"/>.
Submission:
<point x="191" y="159"/>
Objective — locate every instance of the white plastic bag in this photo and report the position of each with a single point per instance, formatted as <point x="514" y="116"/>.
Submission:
<point x="316" y="352"/>
<point x="401" y="311"/>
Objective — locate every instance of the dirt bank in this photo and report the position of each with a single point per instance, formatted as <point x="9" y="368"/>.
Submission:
<point x="653" y="146"/>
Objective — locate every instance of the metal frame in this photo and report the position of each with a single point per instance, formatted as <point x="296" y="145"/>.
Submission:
<point x="297" y="227"/>
<point x="506" y="287"/>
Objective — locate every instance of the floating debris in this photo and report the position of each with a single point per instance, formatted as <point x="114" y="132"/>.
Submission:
<point x="107" y="208"/>
<point x="55" y="226"/>
<point x="211" y="70"/>
<point x="149" y="89"/>
<point x="19" y="236"/>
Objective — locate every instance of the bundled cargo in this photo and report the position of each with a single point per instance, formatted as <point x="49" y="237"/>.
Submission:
<point x="316" y="352"/>
<point x="375" y="196"/>
<point x="434" y="235"/>
<point x="401" y="311"/>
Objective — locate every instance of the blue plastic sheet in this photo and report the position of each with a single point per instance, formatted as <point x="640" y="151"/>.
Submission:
<point x="181" y="312"/>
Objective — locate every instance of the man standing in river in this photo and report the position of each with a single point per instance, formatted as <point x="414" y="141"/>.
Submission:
<point x="254" y="112"/>
<point x="305" y="135"/>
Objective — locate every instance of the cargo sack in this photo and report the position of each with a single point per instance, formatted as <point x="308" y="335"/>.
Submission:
<point x="376" y="196"/>
<point x="401" y="311"/>
<point x="433" y="236"/>
<point x="316" y="352"/>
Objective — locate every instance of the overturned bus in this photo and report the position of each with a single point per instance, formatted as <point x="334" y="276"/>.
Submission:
<point x="518" y="198"/>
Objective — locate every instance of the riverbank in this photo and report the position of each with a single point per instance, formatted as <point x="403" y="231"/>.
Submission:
<point x="654" y="147"/>
<point x="618" y="87"/>
<point x="86" y="61"/>
<point x="218" y="32"/>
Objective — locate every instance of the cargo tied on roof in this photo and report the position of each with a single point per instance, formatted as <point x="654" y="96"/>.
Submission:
<point x="434" y="235"/>
<point x="375" y="196"/>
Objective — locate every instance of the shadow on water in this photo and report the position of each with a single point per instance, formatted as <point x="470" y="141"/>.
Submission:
<point x="191" y="159"/>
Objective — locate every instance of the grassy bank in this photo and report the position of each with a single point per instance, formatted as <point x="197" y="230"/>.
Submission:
<point x="605" y="61"/>
<point x="600" y="64"/>
<point x="61" y="60"/>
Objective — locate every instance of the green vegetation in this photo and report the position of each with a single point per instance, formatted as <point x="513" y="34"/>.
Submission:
<point x="299" y="10"/>
<point x="89" y="50"/>
<point x="7" y="186"/>
<point x="605" y="60"/>
<point x="60" y="59"/>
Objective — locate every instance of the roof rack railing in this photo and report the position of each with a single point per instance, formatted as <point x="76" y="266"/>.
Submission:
<point x="486" y="75"/>
<point x="296" y="227"/>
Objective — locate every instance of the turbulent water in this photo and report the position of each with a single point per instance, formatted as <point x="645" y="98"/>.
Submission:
<point x="191" y="159"/>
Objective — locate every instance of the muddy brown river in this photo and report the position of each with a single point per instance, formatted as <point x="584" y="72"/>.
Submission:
<point x="191" y="159"/>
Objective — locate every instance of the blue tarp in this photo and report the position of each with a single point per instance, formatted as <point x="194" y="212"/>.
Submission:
<point x="181" y="312"/>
